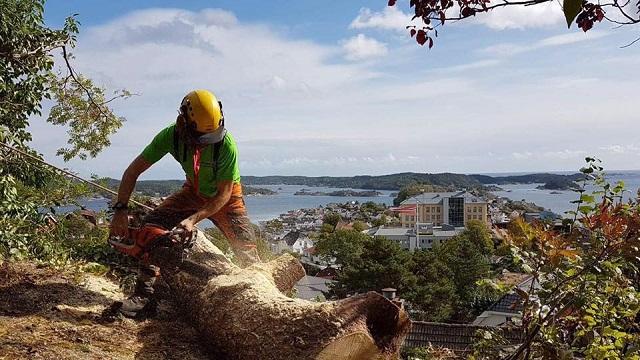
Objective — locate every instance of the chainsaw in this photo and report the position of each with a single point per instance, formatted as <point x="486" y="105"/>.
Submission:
<point x="141" y="241"/>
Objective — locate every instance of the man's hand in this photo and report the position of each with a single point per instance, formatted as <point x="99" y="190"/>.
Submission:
<point x="120" y="224"/>
<point x="187" y="224"/>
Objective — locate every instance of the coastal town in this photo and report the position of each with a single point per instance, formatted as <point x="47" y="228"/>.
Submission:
<point x="418" y="223"/>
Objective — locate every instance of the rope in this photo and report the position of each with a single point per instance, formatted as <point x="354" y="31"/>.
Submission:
<point x="70" y="174"/>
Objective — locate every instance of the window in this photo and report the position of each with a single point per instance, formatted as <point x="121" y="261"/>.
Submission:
<point x="456" y="211"/>
<point x="438" y="209"/>
<point x="468" y="217"/>
<point x="426" y="209"/>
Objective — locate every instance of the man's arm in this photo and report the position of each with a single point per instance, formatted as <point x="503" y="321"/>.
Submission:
<point x="120" y="223"/>
<point x="222" y="196"/>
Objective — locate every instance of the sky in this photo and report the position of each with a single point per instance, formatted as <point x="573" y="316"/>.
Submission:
<point x="339" y="88"/>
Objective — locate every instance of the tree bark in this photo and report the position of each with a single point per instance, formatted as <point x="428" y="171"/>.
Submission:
<point x="245" y="314"/>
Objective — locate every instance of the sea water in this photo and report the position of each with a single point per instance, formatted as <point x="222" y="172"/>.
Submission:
<point x="266" y="207"/>
<point x="560" y="201"/>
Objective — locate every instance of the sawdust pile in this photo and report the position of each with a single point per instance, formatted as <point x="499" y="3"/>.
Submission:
<point x="50" y="314"/>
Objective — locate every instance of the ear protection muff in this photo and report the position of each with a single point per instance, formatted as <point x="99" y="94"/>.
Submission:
<point x="221" y="122"/>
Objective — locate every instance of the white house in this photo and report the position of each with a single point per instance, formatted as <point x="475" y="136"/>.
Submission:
<point x="506" y="310"/>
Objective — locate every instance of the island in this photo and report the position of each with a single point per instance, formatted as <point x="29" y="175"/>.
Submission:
<point x="558" y="184"/>
<point x="256" y="191"/>
<point x="341" y="193"/>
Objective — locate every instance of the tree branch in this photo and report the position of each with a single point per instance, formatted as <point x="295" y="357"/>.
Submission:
<point x="86" y="91"/>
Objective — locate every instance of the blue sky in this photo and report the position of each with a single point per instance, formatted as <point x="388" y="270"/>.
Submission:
<point x="338" y="87"/>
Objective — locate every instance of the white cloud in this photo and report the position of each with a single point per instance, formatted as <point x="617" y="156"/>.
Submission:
<point x="508" y="49"/>
<point x="522" y="17"/>
<point x="388" y="19"/>
<point x="361" y="47"/>
<point x="297" y="107"/>
<point x="621" y="149"/>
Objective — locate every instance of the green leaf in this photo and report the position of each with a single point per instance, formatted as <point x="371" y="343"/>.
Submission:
<point x="571" y="9"/>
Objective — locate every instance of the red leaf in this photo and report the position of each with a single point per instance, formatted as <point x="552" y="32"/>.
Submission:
<point x="413" y="32"/>
<point x="430" y="43"/>
<point x="442" y="17"/>
<point x="421" y="38"/>
<point x="392" y="2"/>
<point x="466" y="12"/>
<point x="599" y="14"/>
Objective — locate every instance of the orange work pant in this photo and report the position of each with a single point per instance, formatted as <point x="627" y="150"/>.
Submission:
<point x="232" y="219"/>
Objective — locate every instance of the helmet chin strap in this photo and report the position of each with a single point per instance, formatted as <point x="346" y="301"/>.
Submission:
<point x="212" y="138"/>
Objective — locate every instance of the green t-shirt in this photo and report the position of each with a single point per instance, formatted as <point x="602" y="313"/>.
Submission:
<point x="228" y="169"/>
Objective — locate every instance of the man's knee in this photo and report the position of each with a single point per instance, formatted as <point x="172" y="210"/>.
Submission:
<point x="242" y="229"/>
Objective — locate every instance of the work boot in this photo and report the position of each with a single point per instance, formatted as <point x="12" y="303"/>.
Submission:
<point x="138" y="307"/>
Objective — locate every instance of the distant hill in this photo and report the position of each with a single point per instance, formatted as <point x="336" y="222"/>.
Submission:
<point x="398" y="181"/>
<point x="394" y="182"/>
<point x="380" y="182"/>
<point x="540" y="178"/>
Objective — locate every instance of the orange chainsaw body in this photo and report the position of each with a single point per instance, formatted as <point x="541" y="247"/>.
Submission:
<point x="141" y="240"/>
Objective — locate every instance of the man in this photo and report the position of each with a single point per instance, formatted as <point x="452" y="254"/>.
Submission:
<point x="209" y="157"/>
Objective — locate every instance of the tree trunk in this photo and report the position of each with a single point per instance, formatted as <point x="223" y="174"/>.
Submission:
<point x="245" y="314"/>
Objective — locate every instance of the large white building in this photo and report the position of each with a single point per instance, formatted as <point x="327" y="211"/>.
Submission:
<point x="443" y="208"/>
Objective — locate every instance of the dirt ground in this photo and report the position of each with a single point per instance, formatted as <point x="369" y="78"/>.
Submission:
<point x="51" y="314"/>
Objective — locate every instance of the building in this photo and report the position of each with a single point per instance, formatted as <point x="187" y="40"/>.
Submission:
<point x="444" y="208"/>
<point x="294" y="241"/>
<point x="428" y="236"/>
<point x="458" y="338"/>
<point x="312" y="288"/>
<point x="508" y="309"/>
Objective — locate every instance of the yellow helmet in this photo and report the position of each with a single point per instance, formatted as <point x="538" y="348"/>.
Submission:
<point x="202" y="109"/>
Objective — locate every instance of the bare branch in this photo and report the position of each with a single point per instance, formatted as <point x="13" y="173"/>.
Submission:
<point x="631" y="43"/>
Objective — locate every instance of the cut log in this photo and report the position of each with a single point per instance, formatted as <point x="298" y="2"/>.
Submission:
<point x="245" y="314"/>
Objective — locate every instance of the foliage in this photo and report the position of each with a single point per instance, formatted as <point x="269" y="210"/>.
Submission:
<point x="478" y="233"/>
<point x="450" y="276"/>
<point x="345" y="246"/>
<point x="359" y="226"/>
<point x="427" y="353"/>
<point x="441" y="284"/>
<point x="382" y="263"/>
<point x="331" y="218"/>
<point x="434" y="14"/>
<point x="434" y="297"/>
<point x="27" y="79"/>
<point x="491" y="344"/>
<point x="81" y="106"/>
<point x="381" y="221"/>
<point x="583" y="302"/>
